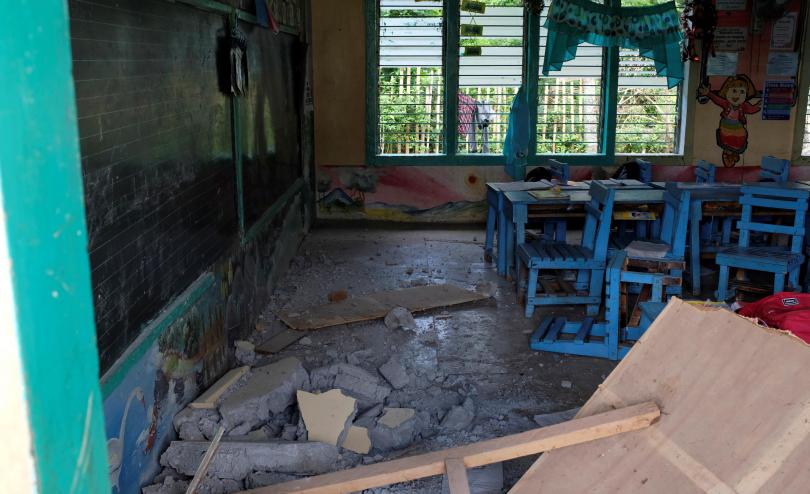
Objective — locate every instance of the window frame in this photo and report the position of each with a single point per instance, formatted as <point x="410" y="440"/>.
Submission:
<point x="531" y="75"/>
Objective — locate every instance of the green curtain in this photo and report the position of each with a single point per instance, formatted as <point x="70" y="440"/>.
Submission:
<point x="655" y="31"/>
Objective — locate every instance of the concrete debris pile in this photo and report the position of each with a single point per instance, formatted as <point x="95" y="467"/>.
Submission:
<point x="283" y="422"/>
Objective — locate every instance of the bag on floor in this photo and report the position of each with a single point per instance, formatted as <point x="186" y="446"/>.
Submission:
<point x="784" y="310"/>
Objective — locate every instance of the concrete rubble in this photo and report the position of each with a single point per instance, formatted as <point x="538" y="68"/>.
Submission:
<point x="236" y="460"/>
<point x="400" y="318"/>
<point x="244" y="352"/>
<point x="547" y="419"/>
<point x="268" y="389"/>
<point x="460" y="417"/>
<point x="440" y="383"/>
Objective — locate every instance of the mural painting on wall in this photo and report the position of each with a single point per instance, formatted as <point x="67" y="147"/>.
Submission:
<point x="400" y="194"/>
<point x="737" y="97"/>
<point x="139" y="410"/>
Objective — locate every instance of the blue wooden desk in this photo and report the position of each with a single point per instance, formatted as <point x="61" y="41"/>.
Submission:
<point x="516" y="212"/>
<point x="495" y="214"/>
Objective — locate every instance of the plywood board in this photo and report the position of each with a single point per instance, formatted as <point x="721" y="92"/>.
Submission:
<point x="474" y="455"/>
<point x="212" y="394"/>
<point x="280" y="341"/>
<point x="735" y="409"/>
<point x="377" y="305"/>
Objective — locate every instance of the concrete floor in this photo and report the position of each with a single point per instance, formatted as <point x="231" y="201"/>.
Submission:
<point x="479" y="350"/>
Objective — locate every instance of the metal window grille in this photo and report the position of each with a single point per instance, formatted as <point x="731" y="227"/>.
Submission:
<point x="410" y="77"/>
<point x="806" y="139"/>
<point x="648" y="112"/>
<point x="570" y="106"/>
<point x="490" y="74"/>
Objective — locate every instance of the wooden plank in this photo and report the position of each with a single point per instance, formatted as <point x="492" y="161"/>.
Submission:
<point x="377" y="305"/>
<point x="212" y="394"/>
<point x="583" y="331"/>
<point x="199" y="475"/>
<point x="735" y="413"/>
<point x="548" y="288"/>
<point x="456" y="473"/>
<point x="280" y="341"/>
<point x="474" y="455"/>
<point x="554" y="332"/>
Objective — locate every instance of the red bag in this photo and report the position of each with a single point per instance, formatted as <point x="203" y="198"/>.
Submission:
<point x="784" y="310"/>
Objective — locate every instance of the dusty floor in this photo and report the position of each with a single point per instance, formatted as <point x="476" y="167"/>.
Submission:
<point x="478" y="350"/>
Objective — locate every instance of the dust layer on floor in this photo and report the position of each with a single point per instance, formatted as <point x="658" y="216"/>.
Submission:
<point x="474" y="353"/>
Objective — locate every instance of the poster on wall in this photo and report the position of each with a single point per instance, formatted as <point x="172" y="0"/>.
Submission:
<point x="777" y="99"/>
<point x="722" y="63"/>
<point x="783" y="33"/>
<point x="783" y="64"/>
<point x="731" y="4"/>
<point x="730" y="38"/>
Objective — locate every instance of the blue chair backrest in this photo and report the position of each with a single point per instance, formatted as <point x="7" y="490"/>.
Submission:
<point x="675" y="219"/>
<point x="773" y="198"/>
<point x="559" y="171"/>
<point x="774" y="170"/>
<point x="704" y="172"/>
<point x="645" y="168"/>
<point x="598" y="214"/>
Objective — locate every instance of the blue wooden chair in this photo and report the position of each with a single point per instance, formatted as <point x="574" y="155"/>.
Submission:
<point x="559" y="171"/>
<point x="612" y="338"/>
<point x="589" y="258"/>
<point x="774" y="170"/>
<point x="781" y="261"/>
<point x="704" y="172"/>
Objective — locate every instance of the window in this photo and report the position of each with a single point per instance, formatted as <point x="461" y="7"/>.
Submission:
<point x="443" y="74"/>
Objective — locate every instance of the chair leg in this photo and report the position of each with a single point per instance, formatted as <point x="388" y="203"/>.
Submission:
<point x="694" y="250"/>
<point x="597" y="278"/>
<point x="521" y="281"/>
<point x="727" y="222"/>
<point x="778" y="282"/>
<point x="489" y="243"/>
<point x="722" y="284"/>
<point x="612" y="311"/>
<point x="560" y="232"/>
<point x="531" y="291"/>
<point x="793" y="278"/>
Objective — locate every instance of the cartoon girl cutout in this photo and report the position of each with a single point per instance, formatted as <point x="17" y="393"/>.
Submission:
<point x="734" y="97"/>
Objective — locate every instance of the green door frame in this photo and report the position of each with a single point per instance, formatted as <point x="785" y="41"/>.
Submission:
<point x="43" y="203"/>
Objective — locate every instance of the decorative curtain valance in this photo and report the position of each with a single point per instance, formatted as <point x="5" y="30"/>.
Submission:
<point x="654" y="30"/>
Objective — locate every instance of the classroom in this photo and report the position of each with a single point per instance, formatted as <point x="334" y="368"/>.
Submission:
<point x="405" y="246"/>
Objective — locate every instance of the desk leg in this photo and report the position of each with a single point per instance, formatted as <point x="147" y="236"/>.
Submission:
<point x="509" y="251"/>
<point x="490" y="239"/>
<point x="727" y="222"/>
<point x="694" y="245"/>
<point x="503" y="227"/>
<point x="520" y="238"/>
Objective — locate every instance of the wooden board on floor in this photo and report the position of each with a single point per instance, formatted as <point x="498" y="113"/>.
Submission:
<point x="212" y="394"/>
<point x="377" y="305"/>
<point x="280" y="341"/>
<point x="735" y="409"/>
<point x="474" y="455"/>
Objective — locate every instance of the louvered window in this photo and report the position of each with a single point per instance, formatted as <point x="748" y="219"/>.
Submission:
<point x="445" y="73"/>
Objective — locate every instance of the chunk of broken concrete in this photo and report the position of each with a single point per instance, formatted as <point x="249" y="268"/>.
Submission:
<point x="263" y="479"/>
<point x="289" y="432"/>
<point x="397" y="428"/>
<point x="213" y="485"/>
<point x="484" y="480"/>
<point x="268" y="389"/>
<point x="235" y="460"/>
<point x="327" y="416"/>
<point x="192" y="423"/>
<point x="357" y="440"/>
<point x="169" y="485"/>
<point x="358" y="383"/>
<point x="546" y="419"/>
<point x="394" y="372"/>
<point x="459" y="417"/>
<point x="400" y="318"/>
<point x="245" y="352"/>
